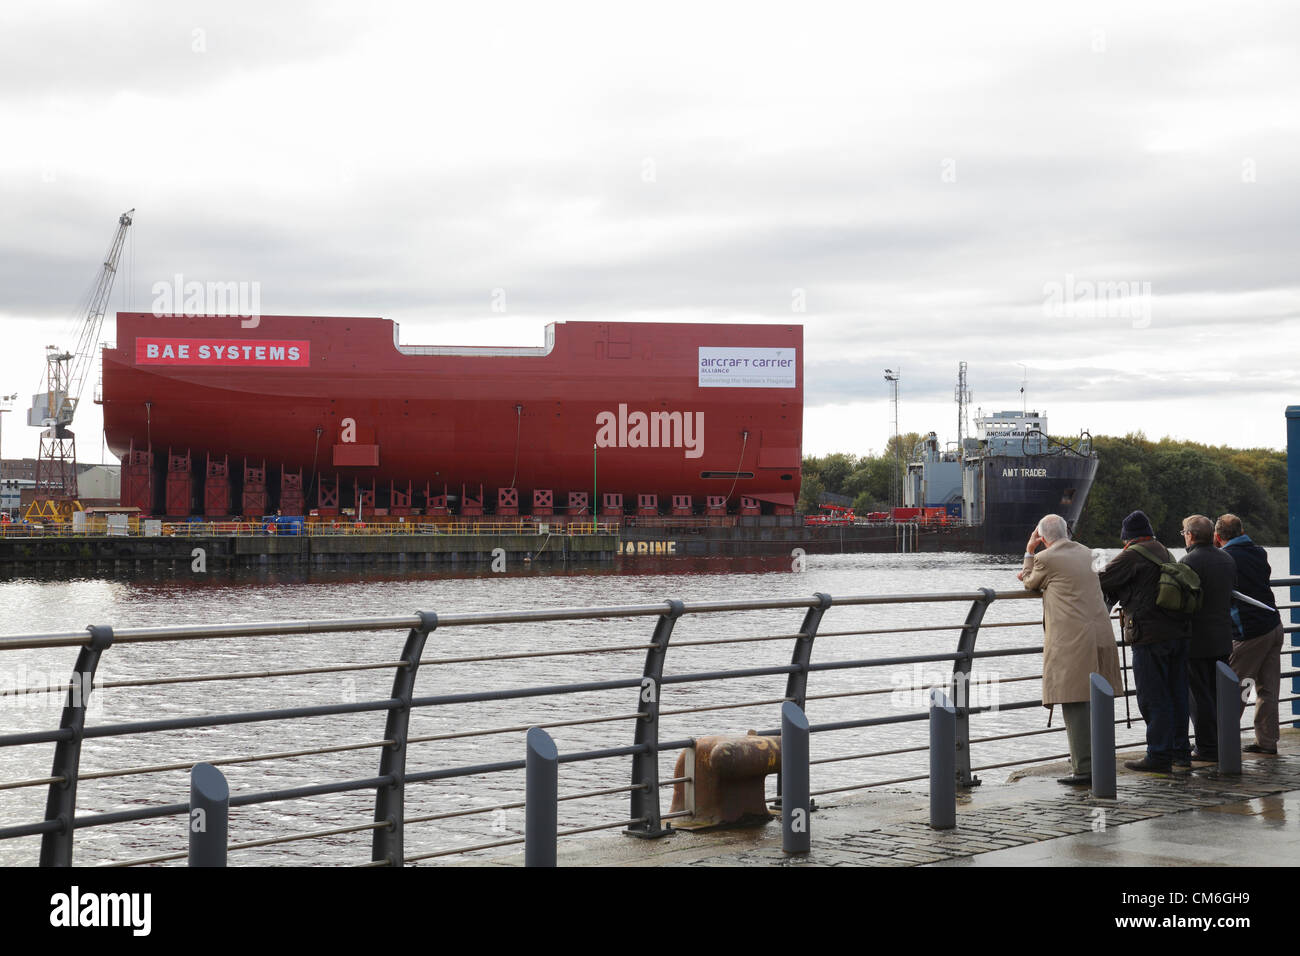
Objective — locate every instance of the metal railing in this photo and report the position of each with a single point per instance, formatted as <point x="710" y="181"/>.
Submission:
<point x="401" y="767"/>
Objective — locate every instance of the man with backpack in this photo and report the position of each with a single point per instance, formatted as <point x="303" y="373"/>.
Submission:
<point x="1211" y="630"/>
<point x="1134" y="579"/>
<point x="1257" y="650"/>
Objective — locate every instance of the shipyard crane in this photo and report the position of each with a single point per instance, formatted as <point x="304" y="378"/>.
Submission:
<point x="65" y="378"/>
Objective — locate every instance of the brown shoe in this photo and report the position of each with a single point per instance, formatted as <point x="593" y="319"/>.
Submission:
<point x="1257" y="749"/>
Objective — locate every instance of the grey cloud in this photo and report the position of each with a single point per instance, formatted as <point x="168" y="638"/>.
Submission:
<point x="1055" y="176"/>
<point x="98" y="51"/>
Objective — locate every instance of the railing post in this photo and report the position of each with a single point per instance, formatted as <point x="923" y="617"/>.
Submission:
<point x="61" y="803"/>
<point x="645" y="765"/>
<point x="961" y="683"/>
<point x="390" y="799"/>
<point x="209" y="815"/>
<point x="796" y="684"/>
<point x="1293" y="527"/>
<point x="1101" y="730"/>
<point x="796" y="803"/>
<point x="943" y="756"/>
<point x="541" y="807"/>
<point x="1228" y="703"/>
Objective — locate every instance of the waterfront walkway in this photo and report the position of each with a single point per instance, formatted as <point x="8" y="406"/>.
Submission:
<point x="1181" y="819"/>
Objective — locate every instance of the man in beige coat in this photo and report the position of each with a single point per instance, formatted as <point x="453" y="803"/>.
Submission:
<point x="1078" y="640"/>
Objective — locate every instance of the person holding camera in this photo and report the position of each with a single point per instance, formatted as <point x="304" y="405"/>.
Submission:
<point x="1077" y="636"/>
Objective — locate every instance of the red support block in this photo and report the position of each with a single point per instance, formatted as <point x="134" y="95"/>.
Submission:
<point x="292" y="501"/>
<point x="716" y="506"/>
<point x="435" y="505"/>
<point x="256" y="501"/>
<point x="471" y="507"/>
<point x="327" y="496"/>
<point x="399" y="502"/>
<point x="137" y="480"/>
<point x="611" y="504"/>
<point x="216" y="488"/>
<point x="749" y="506"/>
<point x="543" y="502"/>
<point x="682" y="506"/>
<point x="180" y="485"/>
<point x="578" y="504"/>
<point x="508" y="502"/>
<point x="363" y="500"/>
<point x="647" y="506"/>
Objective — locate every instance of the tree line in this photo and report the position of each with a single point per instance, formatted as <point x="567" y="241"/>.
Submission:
<point x="1167" y="479"/>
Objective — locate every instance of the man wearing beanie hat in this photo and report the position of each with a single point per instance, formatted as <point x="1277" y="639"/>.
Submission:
<point x="1159" y="640"/>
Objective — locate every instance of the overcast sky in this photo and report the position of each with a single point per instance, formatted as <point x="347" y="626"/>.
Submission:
<point x="1102" y="197"/>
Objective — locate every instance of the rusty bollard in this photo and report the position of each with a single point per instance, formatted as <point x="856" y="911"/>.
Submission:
<point x="727" y="786"/>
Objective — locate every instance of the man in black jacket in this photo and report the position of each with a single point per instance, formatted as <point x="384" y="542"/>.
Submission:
<point x="1257" y="652"/>
<point x="1159" y="639"/>
<point x="1211" y="629"/>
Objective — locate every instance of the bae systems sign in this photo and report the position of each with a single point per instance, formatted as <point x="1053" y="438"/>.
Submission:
<point x="293" y="353"/>
<point x="747" y="368"/>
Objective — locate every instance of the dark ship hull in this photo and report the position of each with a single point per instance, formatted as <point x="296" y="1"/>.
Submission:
<point x="1019" y="491"/>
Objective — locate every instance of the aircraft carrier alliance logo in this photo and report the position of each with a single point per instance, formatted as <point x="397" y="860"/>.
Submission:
<point x="748" y="368"/>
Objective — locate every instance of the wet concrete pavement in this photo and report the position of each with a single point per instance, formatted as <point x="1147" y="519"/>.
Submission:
<point x="1258" y="832"/>
<point x="1172" y="820"/>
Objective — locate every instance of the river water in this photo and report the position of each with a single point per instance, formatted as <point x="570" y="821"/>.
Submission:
<point x="42" y="606"/>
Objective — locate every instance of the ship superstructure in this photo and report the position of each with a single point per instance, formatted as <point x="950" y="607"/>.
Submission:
<point x="1004" y="479"/>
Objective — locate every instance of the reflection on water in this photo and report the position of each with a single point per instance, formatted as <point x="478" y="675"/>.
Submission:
<point x="51" y="605"/>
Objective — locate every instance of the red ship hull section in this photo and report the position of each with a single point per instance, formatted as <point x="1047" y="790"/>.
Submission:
<point x="337" y="396"/>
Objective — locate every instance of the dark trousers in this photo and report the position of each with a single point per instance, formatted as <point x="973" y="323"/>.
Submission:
<point x="1203" y="704"/>
<point x="1160" y="672"/>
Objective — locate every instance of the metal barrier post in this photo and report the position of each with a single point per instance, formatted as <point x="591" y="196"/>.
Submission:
<point x="961" y="669"/>
<point x="1228" y="702"/>
<point x="1293" y="525"/>
<point x="541" y="806"/>
<point x="796" y="685"/>
<point x="645" y="765"/>
<point x="796" y="803"/>
<point x="61" y="803"/>
<point x="943" y="757"/>
<point x="1101" y="716"/>
<point x="387" y="844"/>
<point x="209" y="815"/>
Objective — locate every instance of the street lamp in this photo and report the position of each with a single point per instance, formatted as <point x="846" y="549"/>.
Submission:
<point x="895" y="477"/>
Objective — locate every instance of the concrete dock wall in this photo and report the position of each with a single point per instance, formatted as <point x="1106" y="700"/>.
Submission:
<point x="123" y="555"/>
